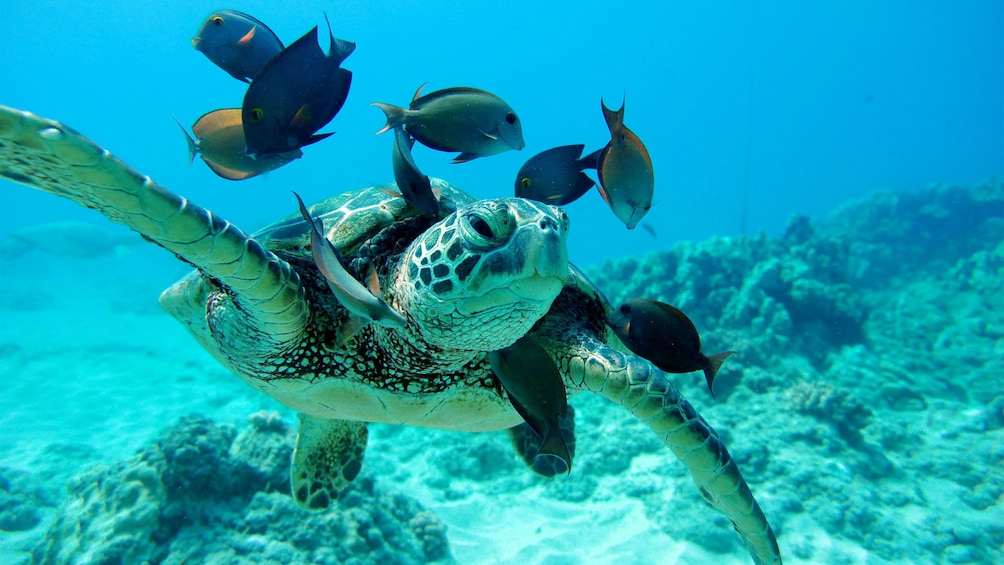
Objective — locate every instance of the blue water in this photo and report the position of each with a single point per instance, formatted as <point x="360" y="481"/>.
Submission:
<point x="802" y="107"/>
<point x="864" y="404"/>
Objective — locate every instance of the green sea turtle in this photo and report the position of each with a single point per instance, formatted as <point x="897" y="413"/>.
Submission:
<point x="469" y="281"/>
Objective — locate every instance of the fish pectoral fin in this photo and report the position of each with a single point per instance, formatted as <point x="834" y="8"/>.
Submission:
<point x="464" y="157"/>
<point x="350" y="328"/>
<point x="373" y="281"/>
<point x="302" y="116"/>
<point x="393" y="193"/>
<point x="489" y="136"/>
<point x="244" y="41"/>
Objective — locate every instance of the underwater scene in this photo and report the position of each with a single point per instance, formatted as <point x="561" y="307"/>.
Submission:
<point x="501" y="282"/>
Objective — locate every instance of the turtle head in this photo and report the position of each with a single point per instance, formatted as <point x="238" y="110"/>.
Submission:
<point x="479" y="279"/>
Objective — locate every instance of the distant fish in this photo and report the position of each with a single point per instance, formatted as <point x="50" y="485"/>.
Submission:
<point x="414" y="186"/>
<point x="357" y="299"/>
<point x="237" y="43"/>
<point x="297" y="93"/>
<point x="665" y="336"/>
<point x="221" y="146"/>
<point x="474" y="122"/>
<point x="68" y="239"/>
<point x="555" y="176"/>
<point x="625" y="171"/>
<point x="536" y="391"/>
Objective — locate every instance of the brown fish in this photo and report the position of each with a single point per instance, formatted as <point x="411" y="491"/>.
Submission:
<point x="625" y="171"/>
<point x="220" y="135"/>
<point x="665" y="336"/>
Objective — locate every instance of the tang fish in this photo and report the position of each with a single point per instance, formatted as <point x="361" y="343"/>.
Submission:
<point x="665" y="336"/>
<point x="364" y="305"/>
<point x="625" y="171"/>
<point x="555" y="176"/>
<point x="414" y="186"/>
<point x="537" y="392"/>
<point x="221" y="146"/>
<point x="237" y="43"/>
<point x="474" y="122"/>
<point x="297" y="93"/>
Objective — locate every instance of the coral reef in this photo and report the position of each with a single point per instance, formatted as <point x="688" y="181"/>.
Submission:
<point x="203" y="493"/>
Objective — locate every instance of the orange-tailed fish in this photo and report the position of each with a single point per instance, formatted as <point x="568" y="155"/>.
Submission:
<point x="555" y="176"/>
<point x="237" y="43"/>
<point x="297" y="93"/>
<point x="360" y="301"/>
<point x="665" y="336"/>
<point x="625" y="171"/>
<point x="536" y="391"/>
<point x="220" y="136"/>
<point x="474" y="122"/>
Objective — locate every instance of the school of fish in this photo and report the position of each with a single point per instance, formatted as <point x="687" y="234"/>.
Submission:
<point x="296" y="90"/>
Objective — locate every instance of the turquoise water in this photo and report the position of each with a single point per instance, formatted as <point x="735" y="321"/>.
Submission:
<point x="865" y="404"/>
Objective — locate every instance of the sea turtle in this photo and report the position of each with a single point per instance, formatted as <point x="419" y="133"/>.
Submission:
<point x="470" y="280"/>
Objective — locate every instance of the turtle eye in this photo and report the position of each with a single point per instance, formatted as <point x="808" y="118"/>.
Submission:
<point x="218" y="21"/>
<point x="479" y="225"/>
<point x="487" y="226"/>
<point x="510" y="118"/>
<point x="257" y="115"/>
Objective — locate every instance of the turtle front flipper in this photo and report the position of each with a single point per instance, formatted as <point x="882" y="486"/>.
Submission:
<point x="54" y="158"/>
<point x="570" y="334"/>
<point x="328" y="456"/>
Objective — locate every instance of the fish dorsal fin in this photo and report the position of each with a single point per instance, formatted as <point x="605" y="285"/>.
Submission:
<point x="418" y="92"/>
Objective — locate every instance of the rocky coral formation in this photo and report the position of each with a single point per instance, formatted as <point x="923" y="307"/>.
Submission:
<point x="204" y="493"/>
<point x="866" y="388"/>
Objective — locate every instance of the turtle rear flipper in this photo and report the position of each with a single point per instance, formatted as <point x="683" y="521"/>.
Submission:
<point x="328" y="456"/>
<point x="54" y="158"/>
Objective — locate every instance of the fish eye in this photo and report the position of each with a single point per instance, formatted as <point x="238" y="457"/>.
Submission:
<point x="218" y="21"/>
<point x="625" y="309"/>
<point x="257" y="115"/>
<point x="510" y="118"/>
<point x="525" y="182"/>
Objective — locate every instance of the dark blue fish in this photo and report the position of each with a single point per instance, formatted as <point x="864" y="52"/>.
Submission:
<point x="237" y="43"/>
<point x="414" y="186"/>
<point x="555" y="176"/>
<point x="220" y="143"/>
<point x="297" y="93"/>
<point x="665" y="336"/>
<point x="536" y="391"/>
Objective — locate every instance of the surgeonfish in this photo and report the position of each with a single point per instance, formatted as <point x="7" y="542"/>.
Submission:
<point x="361" y="302"/>
<point x="665" y="336"/>
<point x="69" y="239"/>
<point x="220" y="135"/>
<point x="555" y="176"/>
<point x="414" y="186"/>
<point x="237" y="43"/>
<point x="536" y="391"/>
<point x="474" y="122"/>
<point x="296" y="93"/>
<point x="625" y="171"/>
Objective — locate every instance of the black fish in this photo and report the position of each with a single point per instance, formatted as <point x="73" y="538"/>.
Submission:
<point x="237" y="43"/>
<point x="665" y="336"/>
<point x="555" y="176"/>
<point x="414" y="186"/>
<point x="536" y="391"/>
<point x="297" y="93"/>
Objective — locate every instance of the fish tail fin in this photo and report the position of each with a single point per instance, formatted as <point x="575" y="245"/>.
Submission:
<point x="590" y="161"/>
<point x="192" y="147"/>
<point x="395" y="115"/>
<point x="350" y="328"/>
<point x="711" y="368"/>
<point x="553" y="443"/>
<point x="338" y="48"/>
<point x="614" y="118"/>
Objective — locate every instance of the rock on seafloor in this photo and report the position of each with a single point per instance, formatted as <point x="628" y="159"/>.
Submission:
<point x="204" y="494"/>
